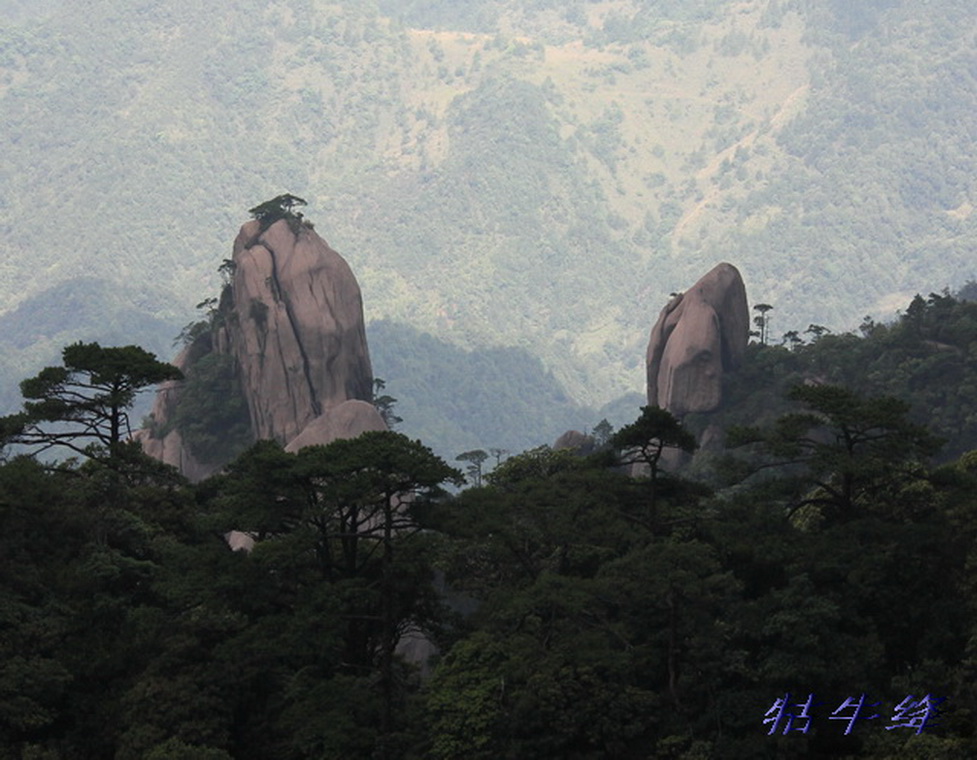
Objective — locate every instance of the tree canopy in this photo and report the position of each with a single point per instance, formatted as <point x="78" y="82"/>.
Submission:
<point x="578" y="608"/>
<point x="844" y="451"/>
<point x="279" y="207"/>
<point x="86" y="399"/>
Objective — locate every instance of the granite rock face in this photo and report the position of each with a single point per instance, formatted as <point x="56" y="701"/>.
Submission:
<point x="346" y="420"/>
<point x="299" y="337"/>
<point x="699" y="335"/>
<point x="291" y="323"/>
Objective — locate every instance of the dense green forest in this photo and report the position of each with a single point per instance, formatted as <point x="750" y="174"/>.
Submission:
<point x="512" y="174"/>
<point x="823" y="563"/>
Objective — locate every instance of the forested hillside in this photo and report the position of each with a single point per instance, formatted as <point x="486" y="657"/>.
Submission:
<point x="533" y="175"/>
<point x="820" y="603"/>
<point x="926" y="360"/>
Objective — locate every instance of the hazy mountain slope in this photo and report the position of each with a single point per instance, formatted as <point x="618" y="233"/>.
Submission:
<point x="456" y="400"/>
<point x="531" y="174"/>
<point x="873" y="200"/>
<point x="34" y="331"/>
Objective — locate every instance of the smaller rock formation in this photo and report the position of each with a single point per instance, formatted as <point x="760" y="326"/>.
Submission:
<point x="577" y="442"/>
<point x="346" y="420"/>
<point x="163" y="441"/>
<point x="699" y="335"/>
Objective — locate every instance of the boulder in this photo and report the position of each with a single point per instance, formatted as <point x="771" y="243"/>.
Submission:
<point x="346" y="420"/>
<point x="699" y="335"/>
<point x="239" y="541"/>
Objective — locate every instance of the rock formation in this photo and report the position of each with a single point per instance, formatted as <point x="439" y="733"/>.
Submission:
<point x="299" y="337"/>
<point x="290" y="328"/>
<point x="163" y="441"/>
<point x="699" y="335"/>
<point x="346" y="420"/>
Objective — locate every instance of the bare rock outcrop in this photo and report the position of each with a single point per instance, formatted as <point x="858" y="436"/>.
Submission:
<point x="699" y="335"/>
<point x="290" y="335"/>
<point x="346" y="420"/>
<point x="171" y="450"/>
<point x="299" y="336"/>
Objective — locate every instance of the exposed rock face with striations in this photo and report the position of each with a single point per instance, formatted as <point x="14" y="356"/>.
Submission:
<point x="699" y="335"/>
<point x="299" y="337"/>
<point x="292" y="323"/>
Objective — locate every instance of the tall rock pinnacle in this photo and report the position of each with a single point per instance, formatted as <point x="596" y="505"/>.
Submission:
<point x="298" y="337"/>
<point x="287" y="341"/>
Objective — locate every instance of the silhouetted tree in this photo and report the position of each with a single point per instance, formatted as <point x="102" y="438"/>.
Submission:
<point x="498" y="454"/>
<point x="279" y="207"/>
<point x="817" y="331"/>
<point x="86" y="400"/>
<point x="475" y="458"/>
<point x="385" y="404"/>
<point x="602" y="433"/>
<point x="644" y="441"/>
<point x="792" y="339"/>
<point x="762" y="321"/>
